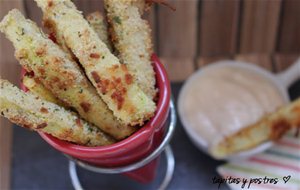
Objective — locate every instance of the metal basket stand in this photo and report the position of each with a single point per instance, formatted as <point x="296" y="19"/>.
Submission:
<point x="164" y="146"/>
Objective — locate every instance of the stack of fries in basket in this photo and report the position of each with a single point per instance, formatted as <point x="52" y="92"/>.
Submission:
<point x="79" y="91"/>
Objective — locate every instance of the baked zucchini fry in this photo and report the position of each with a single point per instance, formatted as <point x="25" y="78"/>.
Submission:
<point x="35" y="86"/>
<point x="59" y="74"/>
<point x="113" y="81"/>
<point x="271" y="127"/>
<point x="59" y="39"/>
<point x="131" y="37"/>
<point x="142" y="5"/>
<point x="29" y="111"/>
<point x="97" y="22"/>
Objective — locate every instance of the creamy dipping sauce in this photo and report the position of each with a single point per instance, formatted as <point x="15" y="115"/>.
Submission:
<point x="223" y="100"/>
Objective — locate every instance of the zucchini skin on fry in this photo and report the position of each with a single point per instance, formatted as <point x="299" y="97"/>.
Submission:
<point x="271" y="127"/>
<point x="29" y="111"/>
<point x="132" y="38"/>
<point x="114" y="83"/>
<point x="59" y="74"/>
<point x="97" y="22"/>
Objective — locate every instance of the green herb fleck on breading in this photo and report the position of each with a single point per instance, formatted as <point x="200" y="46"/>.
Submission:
<point x="117" y="19"/>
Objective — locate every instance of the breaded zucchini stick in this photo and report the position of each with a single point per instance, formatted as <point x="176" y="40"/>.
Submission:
<point x="35" y="86"/>
<point x="132" y="38"/>
<point x="142" y="5"/>
<point x="59" y="38"/>
<point x="114" y="83"/>
<point x="271" y="127"/>
<point x="29" y="111"/>
<point x="59" y="74"/>
<point x="97" y="22"/>
<point x="61" y="42"/>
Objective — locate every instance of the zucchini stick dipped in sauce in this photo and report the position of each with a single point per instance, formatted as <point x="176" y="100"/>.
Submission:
<point x="97" y="22"/>
<point x="29" y="111"/>
<point x="271" y="127"/>
<point x="114" y="83"/>
<point x="59" y="74"/>
<point x="131" y="37"/>
<point x="35" y="87"/>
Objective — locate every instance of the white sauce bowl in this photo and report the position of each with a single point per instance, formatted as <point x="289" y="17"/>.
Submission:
<point x="280" y="81"/>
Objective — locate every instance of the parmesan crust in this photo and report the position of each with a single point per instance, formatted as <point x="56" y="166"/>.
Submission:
<point x="29" y="111"/>
<point x="132" y="38"/>
<point x="271" y="127"/>
<point x="114" y="83"/>
<point x="58" y="36"/>
<point x="35" y="86"/>
<point x="62" y="76"/>
<point x="97" y="22"/>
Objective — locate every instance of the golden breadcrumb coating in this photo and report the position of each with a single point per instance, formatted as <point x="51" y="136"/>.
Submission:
<point x="97" y="22"/>
<point x="59" y="74"/>
<point x="131" y="37"/>
<point x="114" y="83"/>
<point x="29" y="111"/>
<point x="270" y="127"/>
<point x="58" y="36"/>
<point x="37" y="88"/>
